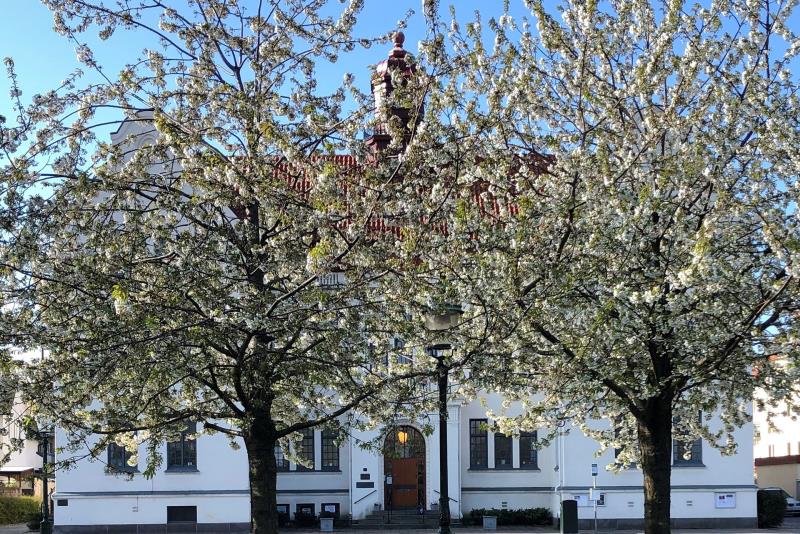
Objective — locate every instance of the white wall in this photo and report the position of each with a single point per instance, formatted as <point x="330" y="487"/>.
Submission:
<point x="219" y="488"/>
<point x="492" y="487"/>
<point x="694" y="488"/>
<point x="12" y="423"/>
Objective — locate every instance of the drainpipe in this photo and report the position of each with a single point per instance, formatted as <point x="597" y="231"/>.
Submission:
<point x="350" y="477"/>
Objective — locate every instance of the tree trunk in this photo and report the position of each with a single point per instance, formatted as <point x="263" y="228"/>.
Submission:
<point x="263" y="473"/>
<point x="655" y="443"/>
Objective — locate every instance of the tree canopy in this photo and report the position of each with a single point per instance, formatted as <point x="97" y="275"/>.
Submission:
<point x="651" y="272"/>
<point x="608" y="192"/>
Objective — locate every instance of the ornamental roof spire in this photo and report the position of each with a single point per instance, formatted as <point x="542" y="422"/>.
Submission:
<point x="395" y="107"/>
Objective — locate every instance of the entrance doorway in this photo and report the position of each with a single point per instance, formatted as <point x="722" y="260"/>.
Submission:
<point x="404" y="468"/>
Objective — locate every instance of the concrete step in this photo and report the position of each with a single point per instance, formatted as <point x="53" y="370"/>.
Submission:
<point x="400" y="519"/>
<point x="395" y="525"/>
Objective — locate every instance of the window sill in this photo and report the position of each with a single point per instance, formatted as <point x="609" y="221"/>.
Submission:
<point x="182" y="470"/>
<point x="690" y="466"/>
<point x="122" y="472"/>
<point x="503" y="469"/>
<point x="312" y="472"/>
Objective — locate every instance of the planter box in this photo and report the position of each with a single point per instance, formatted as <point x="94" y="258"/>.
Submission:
<point x="326" y="524"/>
<point x="489" y="522"/>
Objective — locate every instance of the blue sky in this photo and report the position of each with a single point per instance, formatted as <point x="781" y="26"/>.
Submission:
<point x="44" y="58"/>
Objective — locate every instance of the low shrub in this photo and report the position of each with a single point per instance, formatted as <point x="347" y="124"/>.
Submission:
<point x="35" y="521"/>
<point x="523" y="516"/>
<point x="18" y="509"/>
<point x="771" y="506"/>
<point x="283" y="519"/>
<point x="304" y="520"/>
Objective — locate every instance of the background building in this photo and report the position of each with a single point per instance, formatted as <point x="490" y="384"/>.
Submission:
<point x="20" y="475"/>
<point x="777" y="451"/>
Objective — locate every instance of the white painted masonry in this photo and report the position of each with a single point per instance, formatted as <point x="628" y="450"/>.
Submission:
<point x="89" y="495"/>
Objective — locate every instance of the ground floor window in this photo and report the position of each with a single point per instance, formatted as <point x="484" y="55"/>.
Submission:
<point x="118" y="457"/>
<point x="528" y="457"/>
<point x="688" y="452"/>
<point x="181" y="514"/>
<point x="182" y="453"/>
<point x="502" y="451"/>
<point x="306" y="450"/>
<point x="330" y="451"/>
<point x="281" y="462"/>
<point x="478" y="449"/>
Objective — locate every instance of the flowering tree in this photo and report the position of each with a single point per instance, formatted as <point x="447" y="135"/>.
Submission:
<point x="651" y="270"/>
<point x="219" y="261"/>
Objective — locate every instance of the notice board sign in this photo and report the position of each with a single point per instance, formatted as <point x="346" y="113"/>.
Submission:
<point x="725" y="500"/>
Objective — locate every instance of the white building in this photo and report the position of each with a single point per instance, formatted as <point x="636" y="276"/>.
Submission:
<point x="208" y="480"/>
<point x="205" y="481"/>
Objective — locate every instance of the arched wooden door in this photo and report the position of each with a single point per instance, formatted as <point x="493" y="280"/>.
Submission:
<point x="404" y="468"/>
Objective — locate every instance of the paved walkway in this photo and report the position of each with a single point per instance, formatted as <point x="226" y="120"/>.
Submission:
<point x="790" y="525"/>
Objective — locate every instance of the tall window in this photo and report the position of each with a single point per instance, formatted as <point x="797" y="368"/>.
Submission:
<point x="118" y="459"/>
<point x="182" y="453"/>
<point x="399" y="349"/>
<point x="280" y="460"/>
<point x="330" y="451"/>
<point x="502" y="451"/>
<point x="306" y="450"/>
<point x="528" y="456"/>
<point x="695" y="452"/>
<point x="478" y="446"/>
<point x="688" y="453"/>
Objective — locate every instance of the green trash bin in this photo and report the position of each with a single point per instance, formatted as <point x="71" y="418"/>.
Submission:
<point x="569" y="516"/>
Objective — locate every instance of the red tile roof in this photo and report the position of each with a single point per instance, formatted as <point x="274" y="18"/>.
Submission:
<point x="779" y="460"/>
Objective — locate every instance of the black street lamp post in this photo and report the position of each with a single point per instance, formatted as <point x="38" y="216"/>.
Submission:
<point x="442" y="324"/>
<point x="44" y="436"/>
<point x="442" y="370"/>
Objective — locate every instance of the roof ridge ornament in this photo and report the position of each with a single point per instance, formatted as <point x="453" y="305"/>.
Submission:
<point x="389" y="75"/>
<point x="398" y="51"/>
